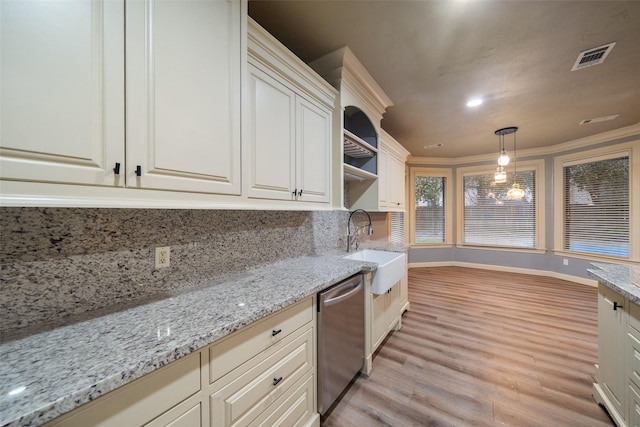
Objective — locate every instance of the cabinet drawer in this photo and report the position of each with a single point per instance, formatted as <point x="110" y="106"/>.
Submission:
<point x="142" y="400"/>
<point x="634" y="316"/>
<point x="295" y="408"/>
<point x="187" y="414"/>
<point x="240" y="401"/>
<point x="634" y="358"/>
<point x="242" y="346"/>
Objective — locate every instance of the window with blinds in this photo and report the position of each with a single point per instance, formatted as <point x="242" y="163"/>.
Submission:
<point x="397" y="227"/>
<point x="429" y="214"/>
<point x="596" y="207"/>
<point x="490" y="218"/>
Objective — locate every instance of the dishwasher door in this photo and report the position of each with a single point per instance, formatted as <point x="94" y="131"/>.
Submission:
<point x="340" y="338"/>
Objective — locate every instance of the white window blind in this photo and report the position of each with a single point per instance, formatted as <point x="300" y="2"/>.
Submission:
<point x="491" y="219"/>
<point x="429" y="215"/>
<point x="596" y="207"/>
<point x="397" y="227"/>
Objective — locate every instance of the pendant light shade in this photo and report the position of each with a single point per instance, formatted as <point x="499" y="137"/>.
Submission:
<point x="503" y="159"/>
<point x="515" y="192"/>
<point x="500" y="176"/>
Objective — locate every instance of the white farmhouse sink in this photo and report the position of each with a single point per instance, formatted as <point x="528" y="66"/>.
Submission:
<point x="392" y="266"/>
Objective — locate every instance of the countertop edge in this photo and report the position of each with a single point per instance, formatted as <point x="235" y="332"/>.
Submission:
<point x="34" y="416"/>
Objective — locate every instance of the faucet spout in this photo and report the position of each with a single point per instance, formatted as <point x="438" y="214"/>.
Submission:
<point x="353" y="238"/>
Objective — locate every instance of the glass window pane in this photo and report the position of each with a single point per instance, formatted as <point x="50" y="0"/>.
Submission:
<point x="429" y="209"/>
<point x="492" y="219"/>
<point x="596" y="199"/>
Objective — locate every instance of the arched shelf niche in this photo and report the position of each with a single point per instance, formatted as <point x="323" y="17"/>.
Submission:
<point x="360" y="140"/>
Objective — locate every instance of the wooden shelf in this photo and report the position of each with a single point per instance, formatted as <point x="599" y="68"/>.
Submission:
<point x="352" y="173"/>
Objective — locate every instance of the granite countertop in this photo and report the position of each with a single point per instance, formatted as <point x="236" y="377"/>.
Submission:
<point x="50" y="373"/>
<point x="624" y="279"/>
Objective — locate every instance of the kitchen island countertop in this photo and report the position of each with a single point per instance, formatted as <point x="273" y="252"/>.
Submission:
<point x="624" y="279"/>
<point x="47" y="374"/>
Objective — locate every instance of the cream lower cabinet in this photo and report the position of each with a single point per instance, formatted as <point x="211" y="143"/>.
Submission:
<point x="261" y="375"/>
<point x="383" y="313"/>
<point x="67" y="90"/>
<point x="618" y="374"/>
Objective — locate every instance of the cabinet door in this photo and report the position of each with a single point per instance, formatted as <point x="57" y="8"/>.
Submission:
<point x="379" y="324"/>
<point x="395" y="180"/>
<point x="611" y="339"/>
<point x="270" y="138"/>
<point x="393" y="310"/>
<point x="383" y="176"/>
<point x="183" y="95"/>
<point x="62" y="85"/>
<point x="313" y="152"/>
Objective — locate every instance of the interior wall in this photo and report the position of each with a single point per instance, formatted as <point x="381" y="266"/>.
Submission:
<point x="547" y="261"/>
<point x="60" y="262"/>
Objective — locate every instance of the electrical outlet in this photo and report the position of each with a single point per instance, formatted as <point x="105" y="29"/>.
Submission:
<point x="162" y="256"/>
<point x="565" y="261"/>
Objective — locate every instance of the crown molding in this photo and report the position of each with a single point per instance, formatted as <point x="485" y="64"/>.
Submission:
<point x="625" y="132"/>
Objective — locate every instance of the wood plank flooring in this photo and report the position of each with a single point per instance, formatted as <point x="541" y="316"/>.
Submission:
<point x="483" y="348"/>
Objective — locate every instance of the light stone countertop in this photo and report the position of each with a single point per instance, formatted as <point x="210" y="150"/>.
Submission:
<point x="61" y="369"/>
<point x="624" y="279"/>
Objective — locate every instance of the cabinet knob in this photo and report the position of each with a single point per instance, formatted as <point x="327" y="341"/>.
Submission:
<point x="300" y="193"/>
<point x="294" y="192"/>
<point x="139" y="170"/>
<point x="116" y="169"/>
<point x="275" y="332"/>
<point x="616" y="306"/>
<point x="276" y="381"/>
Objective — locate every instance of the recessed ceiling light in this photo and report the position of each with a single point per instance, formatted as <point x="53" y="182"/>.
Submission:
<point x="474" y="102"/>
<point x="599" y="119"/>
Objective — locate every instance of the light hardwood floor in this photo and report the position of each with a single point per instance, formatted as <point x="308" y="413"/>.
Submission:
<point x="483" y="348"/>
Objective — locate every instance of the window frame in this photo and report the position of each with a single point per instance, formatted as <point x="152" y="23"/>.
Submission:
<point x="630" y="149"/>
<point x="447" y="174"/>
<point x="537" y="166"/>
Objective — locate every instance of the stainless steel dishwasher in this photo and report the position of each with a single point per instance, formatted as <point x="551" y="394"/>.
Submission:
<point x="340" y="338"/>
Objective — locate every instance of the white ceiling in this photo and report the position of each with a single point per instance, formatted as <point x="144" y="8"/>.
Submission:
<point x="430" y="57"/>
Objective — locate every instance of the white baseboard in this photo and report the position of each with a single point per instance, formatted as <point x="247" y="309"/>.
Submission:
<point x="546" y="273"/>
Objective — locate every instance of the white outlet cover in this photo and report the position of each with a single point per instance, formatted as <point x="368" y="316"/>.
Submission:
<point x="163" y="256"/>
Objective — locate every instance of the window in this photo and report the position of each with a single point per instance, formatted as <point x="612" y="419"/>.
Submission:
<point x="596" y="207"/>
<point x="597" y="202"/>
<point x="489" y="218"/>
<point x="430" y="205"/>
<point x="397" y="227"/>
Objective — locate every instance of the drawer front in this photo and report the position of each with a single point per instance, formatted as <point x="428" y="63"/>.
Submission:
<point x="242" y="400"/>
<point x="296" y="408"/>
<point x="634" y="349"/>
<point x="634" y="406"/>
<point x="634" y="316"/>
<point x="142" y="400"/>
<point x="242" y="346"/>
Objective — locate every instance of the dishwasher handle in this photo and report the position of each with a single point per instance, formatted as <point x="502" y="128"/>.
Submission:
<point x="344" y="296"/>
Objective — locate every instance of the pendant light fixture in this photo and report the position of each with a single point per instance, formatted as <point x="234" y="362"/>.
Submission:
<point x="500" y="177"/>
<point x="515" y="192"/>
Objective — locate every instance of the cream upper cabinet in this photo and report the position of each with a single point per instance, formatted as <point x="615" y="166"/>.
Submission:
<point x="183" y="85"/>
<point x="271" y="138"/>
<point x="74" y="105"/>
<point x="288" y="125"/>
<point x="391" y="180"/>
<point x="313" y="152"/>
<point x="62" y="86"/>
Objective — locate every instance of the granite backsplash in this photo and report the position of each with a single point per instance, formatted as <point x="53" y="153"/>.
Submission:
<point x="56" y="263"/>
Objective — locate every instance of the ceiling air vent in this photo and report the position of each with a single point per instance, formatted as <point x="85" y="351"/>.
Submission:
<point x="593" y="56"/>
<point x="599" y="119"/>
